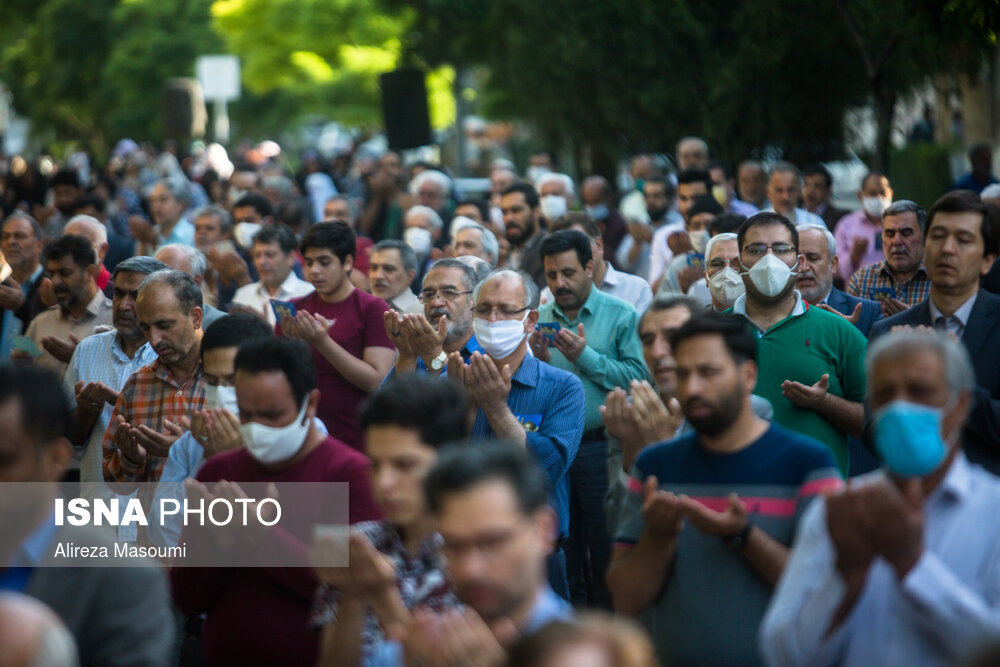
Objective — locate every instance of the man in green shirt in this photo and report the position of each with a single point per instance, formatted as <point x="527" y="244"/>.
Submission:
<point x="811" y="361"/>
<point x="597" y="341"/>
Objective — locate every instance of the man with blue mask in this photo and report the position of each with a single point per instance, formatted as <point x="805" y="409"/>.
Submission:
<point x="899" y="568"/>
<point x="598" y="196"/>
<point x="519" y="398"/>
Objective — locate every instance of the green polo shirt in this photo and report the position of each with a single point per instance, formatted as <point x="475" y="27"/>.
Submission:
<point x="802" y="347"/>
<point x="613" y="356"/>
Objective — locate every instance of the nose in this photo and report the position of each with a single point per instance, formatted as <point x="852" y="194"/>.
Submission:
<point x="661" y="347"/>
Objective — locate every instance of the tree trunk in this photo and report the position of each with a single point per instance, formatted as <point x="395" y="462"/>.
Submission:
<point x="884" y="103"/>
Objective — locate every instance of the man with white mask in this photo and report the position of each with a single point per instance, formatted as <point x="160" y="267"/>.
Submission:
<point x="423" y="229"/>
<point x="555" y="194"/>
<point x="722" y="271"/>
<point x="859" y="234"/>
<point x="811" y="362"/>
<point x="519" y="398"/>
<point x="261" y="615"/>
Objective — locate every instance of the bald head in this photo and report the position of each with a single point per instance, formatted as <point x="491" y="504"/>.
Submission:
<point x="91" y="229"/>
<point x="31" y="634"/>
<point x="595" y="190"/>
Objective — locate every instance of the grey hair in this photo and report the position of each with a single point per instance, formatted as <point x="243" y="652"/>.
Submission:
<point x="831" y="242"/>
<point x="406" y="254"/>
<point x="957" y="366"/>
<point x="469" y="275"/>
<point x="489" y="239"/>
<point x="178" y="187"/>
<point x="351" y="206"/>
<point x="139" y="264"/>
<point x="438" y="177"/>
<point x="662" y="303"/>
<point x="185" y="290"/>
<point x="93" y="223"/>
<point x="480" y="266"/>
<point x="432" y="216"/>
<point x="553" y="176"/>
<point x="21" y="215"/>
<point x="907" y="206"/>
<point x="196" y="258"/>
<point x="719" y="238"/>
<point x="698" y="140"/>
<point x="786" y="167"/>
<point x="530" y="288"/>
<point x="225" y="220"/>
<point x="282" y="184"/>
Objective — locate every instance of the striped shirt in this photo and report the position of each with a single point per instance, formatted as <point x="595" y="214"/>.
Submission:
<point x="877" y="283"/>
<point x="710" y="585"/>
<point x="149" y="397"/>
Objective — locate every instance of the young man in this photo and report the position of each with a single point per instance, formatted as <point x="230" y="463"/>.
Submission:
<point x="260" y="615"/>
<point x="344" y="327"/>
<point x="274" y="259"/>
<point x="396" y="565"/>
<point x="691" y="556"/>
<point x="521" y="215"/>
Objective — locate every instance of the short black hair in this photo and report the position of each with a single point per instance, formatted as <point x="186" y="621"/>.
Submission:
<point x="687" y="176"/>
<point x="434" y="407"/>
<point x="739" y="339"/>
<point x="966" y="201"/>
<point x="481" y="204"/>
<point x="295" y="213"/>
<point x="820" y="170"/>
<point x="568" y="220"/>
<point x="141" y="264"/>
<point x="526" y="189"/>
<point x="407" y="256"/>
<point x="662" y="303"/>
<point x="762" y="219"/>
<point x="705" y="204"/>
<point x="668" y="187"/>
<point x="564" y="241"/>
<point x="463" y="466"/>
<point x="726" y="223"/>
<point x="91" y="199"/>
<point x="290" y="356"/>
<point x="45" y="411"/>
<point x="727" y="169"/>
<point x="234" y="330"/>
<point x="335" y="236"/>
<point x="259" y="202"/>
<point x="872" y="174"/>
<point x="280" y="234"/>
<point x="74" y="246"/>
<point x="65" y="177"/>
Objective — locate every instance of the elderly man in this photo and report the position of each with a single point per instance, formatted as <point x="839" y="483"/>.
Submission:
<point x="168" y="202"/>
<point x="473" y="239"/>
<point x="858" y="234"/>
<point x="21" y="240"/>
<point x="191" y="261"/>
<point x="722" y="271"/>
<point x="692" y="153"/>
<point x="96" y="233"/>
<point x="423" y="232"/>
<point x="900" y="280"/>
<point x="556" y="194"/>
<point x="784" y="188"/>
<point x="815" y="280"/>
<point x="900" y="568"/>
<point x="391" y="269"/>
<point x="432" y="188"/>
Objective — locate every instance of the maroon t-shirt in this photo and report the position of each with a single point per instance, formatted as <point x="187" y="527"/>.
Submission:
<point x="362" y="251"/>
<point x="261" y="615"/>
<point x="358" y="322"/>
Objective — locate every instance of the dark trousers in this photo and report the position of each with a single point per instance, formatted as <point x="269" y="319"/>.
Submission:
<point x="557" y="573"/>
<point x="588" y="549"/>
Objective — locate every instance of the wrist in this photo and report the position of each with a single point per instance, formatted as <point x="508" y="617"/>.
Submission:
<point x="739" y="540"/>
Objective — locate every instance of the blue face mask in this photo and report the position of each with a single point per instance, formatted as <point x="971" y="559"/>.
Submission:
<point x="598" y="212"/>
<point x="908" y="438"/>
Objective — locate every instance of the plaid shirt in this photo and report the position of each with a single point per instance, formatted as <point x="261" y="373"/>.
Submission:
<point x="876" y="282"/>
<point x="149" y="397"/>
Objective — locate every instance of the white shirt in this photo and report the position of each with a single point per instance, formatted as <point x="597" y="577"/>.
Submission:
<point x="256" y="296"/>
<point x="407" y="303"/>
<point x="625" y="286"/>
<point x="660" y="253"/>
<point x="946" y="606"/>
<point x="956" y="322"/>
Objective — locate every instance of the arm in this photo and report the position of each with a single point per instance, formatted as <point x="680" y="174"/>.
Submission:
<point x="121" y="473"/>
<point x="637" y="575"/>
<point x="365" y="373"/>
<point x="505" y="424"/>
<point x="766" y="555"/>
<point x="340" y="643"/>
<point x="557" y="439"/>
<point x="847" y="416"/>
<point x="623" y="364"/>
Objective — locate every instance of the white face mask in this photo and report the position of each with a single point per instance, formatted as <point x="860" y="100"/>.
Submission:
<point x="222" y="397"/>
<point x="244" y="232"/>
<point x="726" y="286"/>
<point x="499" y="339"/>
<point x="419" y="239"/>
<point x="874" y="206"/>
<point x="553" y="206"/>
<point x="699" y="240"/>
<point x="268" y="444"/>
<point x="770" y="275"/>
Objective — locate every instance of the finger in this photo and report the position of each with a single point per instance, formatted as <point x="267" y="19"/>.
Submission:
<point x="824" y="382"/>
<point x="506" y="374"/>
<point x="186" y="423"/>
<point x="674" y="407"/>
<point x="580" y="331"/>
<point x="78" y="388"/>
<point x="652" y="484"/>
<point x="173" y="428"/>
<point x="76" y="341"/>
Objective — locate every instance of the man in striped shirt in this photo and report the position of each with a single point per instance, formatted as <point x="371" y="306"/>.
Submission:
<point x="706" y="529"/>
<point x="148" y="413"/>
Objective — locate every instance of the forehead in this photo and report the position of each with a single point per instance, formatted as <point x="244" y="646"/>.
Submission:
<point x="562" y="259"/>
<point x="220" y="360"/>
<point x="504" y="289"/>
<point x="418" y="220"/>
<point x="484" y="504"/>
<point x="513" y="199"/>
<point x="18" y="225"/>
<point x="921" y="365"/>
<point x="767" y="233"/>
<point x="336" y="205"/>
<point x="63" y="262"/>
<point x="206" y="220"/>
<point x="391" y="440"/>
<point x="727" y="248"/>
<point x="902" y="220"/>
<point x="815" y="179"/>
<point x="444" y="276"/>
<point x="650" y="188"/>
<point x="318" y="253"/>
<point x="785" y="179"/>
<point x="173" y="258"/>
<point x="430" y="187"/>
<point x="267" y="247"/>
<point x="128" y="280"/>
<point x="700" y="349"/>
<point x="553" y="187"/>
<point x="386" y="256"/>
<point x="157" y="299"/>
<point x="691" y="188"/>
<point x="875" y="183"/>
<point x="671" y="318"/>
<point x="469" y="234"/>
<point x="160" y="192"/>
<point x="81" y="229"/>
<point x="264" y="390"/>
<point x="812" y="240"/>
<point x="703" y="219"/>
<point x="965" y="221"/>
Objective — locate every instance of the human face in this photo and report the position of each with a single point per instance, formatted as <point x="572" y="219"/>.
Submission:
<point x="247" y="214"/>
<point x="518" y="218"/>
<point x="273" y="265"/>
<point x="814" y="191"/>
<point x="64" y="197"/>
<point x="21" y="248"/>
<point x="816" y="271"/>
<point x="207" y="230"/>
<point x="654" y="333"/>
<point x="555" y="188"/>
<point x="503" y="298"/>
<point x="686" y="194"/>
<point x="123" y="308"/>
<point x="458" y="310"/>
<point x="569" y="282"/>
<point x="692" y="155"/>
<point x="470" y="211"/>
<point x="751" y="182"/>
<point x="70" y="282"/>
<point x="903" y="242"/>
<point x="400" y="462"/>
<point x="496" y="554"/>
<point x="783" y="192"/>
<point x="218" y="366"/>
<point x="430" y="194"/>
<point x="877" y="187"/>
<point x="769" y="235"/>
<point x="325" y="271"/>
<point x="337" y="209"/>
<point x="165" y="208"/>
<point x="954" y="251"/>
<point x="386" y="275"/>
<point x="266" y="398"/>
<point x="469" y="241"/>
<point x="656" y="198"/>
<point x="700" y="222"/>
<point x="727" y="253"/>
<point x="711" y="386"/>
<point x="172" y="333"/>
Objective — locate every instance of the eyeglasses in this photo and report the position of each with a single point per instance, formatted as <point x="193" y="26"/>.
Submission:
<point x="486" y="311"/>
<point x="429" y="295"/>
<point x="760" y="249"/>
<point x="720" y="263"/>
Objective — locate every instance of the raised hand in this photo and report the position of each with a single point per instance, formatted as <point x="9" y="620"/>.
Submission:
<point x="721" y="524"/>
<point x="806" y="396"/>
<point x="661" y="510"/>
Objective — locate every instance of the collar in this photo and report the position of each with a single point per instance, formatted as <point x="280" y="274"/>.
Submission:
<point x="97" y="304"/>
<point x="119" y="351"/>
<point x="162" y="372"/>
<point x="35" y="277"/>
<point x="883" y="268"/>
<point x="587" y="307"/>
<point x="957" y="482"/>
<point x="404" y="300"/>
<point x="800" y="307"/>
<point x="548" y="607"/>
<point x="611" y="277"/>
<point x="821" y="209"/>
<point x="34" y="547"/>
<point x="962" y="314"/>
<point x="528" y="372"/>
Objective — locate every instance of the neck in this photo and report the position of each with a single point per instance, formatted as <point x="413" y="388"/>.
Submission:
<point x="717" y="307"/>
<point x="131" y="345"/>
<point x="875" y="221"/>
<point x="526" y="242"/>
<point x="600" y="270"/>
<point x="934" y="479"/>
<point x="950" y="300"/>
<point x="902" y="276"/>
<point x="514" y="359"/>
<point x="459" y="344"/>
<point x="522" y="614"/>
<point x="167" y="227"/>
<point x="273" y="289"/>
<point x="340" y="294"/>
<point x="414" y="534"/>
<point x="22" y="273"/>
<point x="747" y="428"/>
<point x="765" y="315"/>
<point x="186" y="367"/>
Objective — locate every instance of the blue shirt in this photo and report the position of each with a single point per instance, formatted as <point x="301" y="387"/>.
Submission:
<point x="549" y="402"/>
<point x="28" y="555"/>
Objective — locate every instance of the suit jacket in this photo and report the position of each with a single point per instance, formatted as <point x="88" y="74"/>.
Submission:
<point x="844" y="303"/>
<point x="981" y="435"/>
<point x="831" y="216"/>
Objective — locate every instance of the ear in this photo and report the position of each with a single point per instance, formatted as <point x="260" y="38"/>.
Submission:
<point x="312" y="404"/>
<point x="102" y="253"/>
<point x="546" y="524"/>
<point x="861" y="196"/>
<point x="91" y="272"/>
<point x="987" y="264"/>
<point x="198" y="280"/>
<point x="589" y="268"/>
<point x="531" y="321"/>
<point x="197" y="315"/>
<point x="835" y="262"/>
<point x="748" y="375"/>
<point x="410" y="275"/>
<point x="55" y="459"/>
<point x="348" y="263"/>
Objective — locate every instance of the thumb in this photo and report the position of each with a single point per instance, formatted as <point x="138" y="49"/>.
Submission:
<point x="172" y="428"/>
<point x="442" y="326"/>
<point x="674" y="406"/>
<point x="579" y="330"/>
<point x="736" y="503"/>
<point x="78" y="387"/>
<point x="652" y="484"/>
<point x="73" y="339"/>
<point x="506" y="373"/>
<point x="824" y="382"/>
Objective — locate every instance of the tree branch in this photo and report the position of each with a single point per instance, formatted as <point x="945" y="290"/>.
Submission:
<point x="859" y="40"/>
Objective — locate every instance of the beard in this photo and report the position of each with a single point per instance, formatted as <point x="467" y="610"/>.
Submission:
<point x="720" y="416"/>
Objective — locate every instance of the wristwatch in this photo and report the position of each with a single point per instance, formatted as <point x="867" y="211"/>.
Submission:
<point x="438" y="362"/>
<point x="738" y="541"/>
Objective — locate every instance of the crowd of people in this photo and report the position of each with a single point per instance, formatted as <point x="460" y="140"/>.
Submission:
<point x="711" y="420"/>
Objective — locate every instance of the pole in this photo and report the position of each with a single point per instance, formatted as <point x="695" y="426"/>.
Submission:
<point x="221" y="122"/>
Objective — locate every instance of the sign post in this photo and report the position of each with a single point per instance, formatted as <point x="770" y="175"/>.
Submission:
<point x="220" y="80"/>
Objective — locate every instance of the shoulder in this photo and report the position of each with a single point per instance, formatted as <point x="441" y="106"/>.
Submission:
<point x="797" y="451"/>
<point x="95" y="343"/>
<point x="658" y="458"/>
<point x="612" y="303"/>
<point x="548" y="373"/>
<point x="222" y="466"/>
<point x="908" y="317"/>
<point x="369" y="302"/>
<point x="342" y="460"/>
